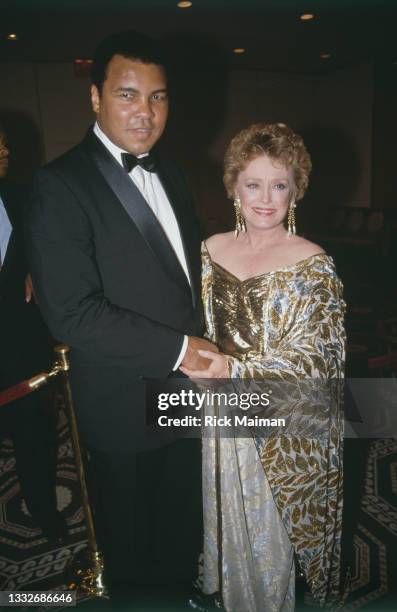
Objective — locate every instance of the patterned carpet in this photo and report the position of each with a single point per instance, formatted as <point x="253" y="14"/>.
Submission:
<point x="29" y="562"/>
<point x="374" y="572"/>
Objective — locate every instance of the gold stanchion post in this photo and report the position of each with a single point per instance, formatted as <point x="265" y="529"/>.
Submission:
<point x="86" y="574"/>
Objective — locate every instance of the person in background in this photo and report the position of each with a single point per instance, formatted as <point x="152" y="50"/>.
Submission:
<point x="24" y="352"/>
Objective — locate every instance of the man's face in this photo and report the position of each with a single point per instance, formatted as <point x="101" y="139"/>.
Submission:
<point x="4" y="154"/>
<point x="133" y="107"/>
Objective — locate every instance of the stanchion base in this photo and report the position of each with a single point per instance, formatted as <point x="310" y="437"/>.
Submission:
<point x="85" y="575"/>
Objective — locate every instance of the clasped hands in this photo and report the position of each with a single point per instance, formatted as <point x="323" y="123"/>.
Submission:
<point x="203" y="360"/>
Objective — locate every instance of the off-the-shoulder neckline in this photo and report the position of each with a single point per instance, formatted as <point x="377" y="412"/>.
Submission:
<point x="283" y="269"/>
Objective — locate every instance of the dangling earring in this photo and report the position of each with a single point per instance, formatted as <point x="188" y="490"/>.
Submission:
<point x="291" y="219"/>
<point x="240" y="221"/>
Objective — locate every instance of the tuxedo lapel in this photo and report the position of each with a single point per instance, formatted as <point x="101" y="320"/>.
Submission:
<point x="179" y="207"/>
<point x="137" y="209"/>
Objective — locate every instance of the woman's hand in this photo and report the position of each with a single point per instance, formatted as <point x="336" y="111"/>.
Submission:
<point x="217" y="369"/>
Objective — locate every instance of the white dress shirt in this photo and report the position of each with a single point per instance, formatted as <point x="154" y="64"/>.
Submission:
<point x="5" y="232"/>
<point x="149" y="185"/>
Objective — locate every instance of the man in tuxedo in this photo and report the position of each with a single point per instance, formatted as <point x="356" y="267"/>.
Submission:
<point x="115" y="257"/>
<point x="24" y="352"/>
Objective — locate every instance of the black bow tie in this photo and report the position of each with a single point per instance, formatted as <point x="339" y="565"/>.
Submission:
<point x="129" y="162"/>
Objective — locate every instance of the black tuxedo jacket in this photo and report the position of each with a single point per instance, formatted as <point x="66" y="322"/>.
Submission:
<point x="23" y="337"/>
<point x="110" y="285"/>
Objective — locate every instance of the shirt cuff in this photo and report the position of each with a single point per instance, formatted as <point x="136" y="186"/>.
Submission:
<point x="181" y="354"/>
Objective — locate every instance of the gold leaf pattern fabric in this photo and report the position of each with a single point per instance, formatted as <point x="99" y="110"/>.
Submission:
<point x="287" y="326"/>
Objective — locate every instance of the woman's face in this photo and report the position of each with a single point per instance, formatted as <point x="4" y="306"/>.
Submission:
<point x="265" y="189"/>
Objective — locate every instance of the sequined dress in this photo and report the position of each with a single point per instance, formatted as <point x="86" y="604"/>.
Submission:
<point x="268" y="498"/>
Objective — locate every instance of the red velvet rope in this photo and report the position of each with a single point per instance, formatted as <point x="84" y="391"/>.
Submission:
<point x="12" y="393"/>
<point x="382" y="360"/>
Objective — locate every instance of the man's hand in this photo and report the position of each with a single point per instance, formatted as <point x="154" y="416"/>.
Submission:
<point x="218" y="367"/>
<point x="29" y="291"/>
<point x="192" y="359"/>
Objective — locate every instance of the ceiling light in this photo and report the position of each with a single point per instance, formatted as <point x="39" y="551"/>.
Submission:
<point x="325" y="55"/>
<point x="82" y="67"/>
<point x="239" y="50"/>
<point x="185" y="4"/>
<point x="307" y="16"/>
<point x="12" y="36"/>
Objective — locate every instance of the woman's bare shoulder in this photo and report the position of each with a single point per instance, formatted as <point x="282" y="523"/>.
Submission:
<point x="218" y="242"/>
<point x="304" y="248"/>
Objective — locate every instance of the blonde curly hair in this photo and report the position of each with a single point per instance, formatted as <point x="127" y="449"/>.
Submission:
<point x="276" y="140"/>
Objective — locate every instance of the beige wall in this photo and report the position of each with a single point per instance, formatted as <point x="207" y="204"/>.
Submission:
<point x="65" y="107"/>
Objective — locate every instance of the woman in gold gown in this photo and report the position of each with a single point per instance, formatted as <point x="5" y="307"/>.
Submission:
<point x="274" y="307"/>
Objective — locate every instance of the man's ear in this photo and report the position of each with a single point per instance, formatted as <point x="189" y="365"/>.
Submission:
<point x="95" y="99"/>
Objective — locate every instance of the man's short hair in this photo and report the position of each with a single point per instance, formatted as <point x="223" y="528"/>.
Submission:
<point x="130" y="44"/>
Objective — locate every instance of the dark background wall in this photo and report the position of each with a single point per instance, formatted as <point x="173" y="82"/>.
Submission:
<point x="47" y="109"/>
<point x="384" y="180"/>
<point x="344" y="105"/>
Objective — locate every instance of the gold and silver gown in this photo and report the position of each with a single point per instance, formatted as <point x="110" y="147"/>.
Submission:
<point x="266" y="498"/>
